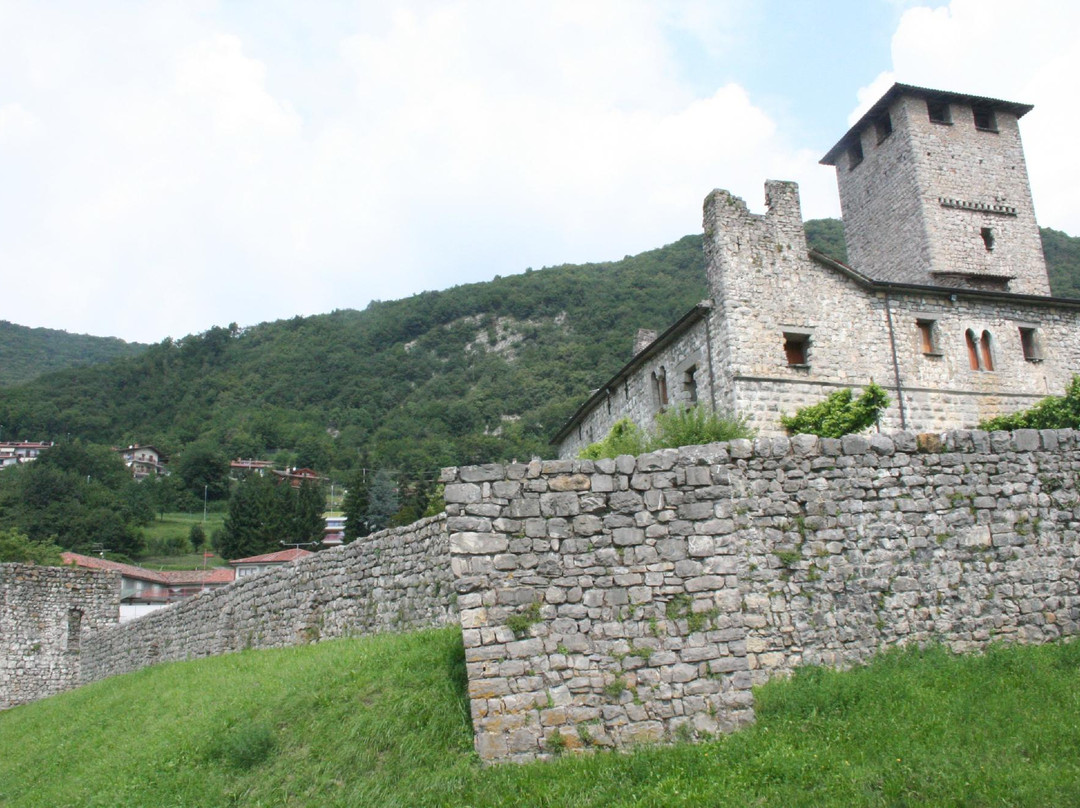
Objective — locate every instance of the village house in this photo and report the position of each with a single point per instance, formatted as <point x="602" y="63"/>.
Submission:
<point x="143" y="461"/>
<point x="944" y="302"/>
<point x="267" y="561"/>
<point x="12" y="453"/>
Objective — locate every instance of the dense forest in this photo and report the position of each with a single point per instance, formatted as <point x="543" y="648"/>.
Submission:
<point x="475" y="373"/>
<point x="26" y="353"/>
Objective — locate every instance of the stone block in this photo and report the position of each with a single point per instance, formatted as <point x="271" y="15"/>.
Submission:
<point x="478" y="543"/>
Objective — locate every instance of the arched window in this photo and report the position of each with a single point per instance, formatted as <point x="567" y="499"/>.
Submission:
<point x="690" y="384"/>
<point x="987" y="354"/>
<point x="973" y="349"/>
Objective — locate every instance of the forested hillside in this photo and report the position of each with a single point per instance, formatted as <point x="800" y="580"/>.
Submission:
<point x="26" y="353"/>
<point x="474" y="373"/>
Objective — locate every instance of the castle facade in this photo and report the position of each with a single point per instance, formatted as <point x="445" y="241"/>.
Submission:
<point x="946" y="302"/>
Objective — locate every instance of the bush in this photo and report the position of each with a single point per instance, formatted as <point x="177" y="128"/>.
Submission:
<point x="1053" y="412"/>
<point x="14" y="546"/>
<point x="676" y="426"/>
<point x="693" y="426"/>
<point x="838" y="415"/>
<point x="624" y="438"/>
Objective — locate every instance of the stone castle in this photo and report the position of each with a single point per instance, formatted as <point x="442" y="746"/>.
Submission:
<point x="613" y="602"/>
<point x="945" y="302"/>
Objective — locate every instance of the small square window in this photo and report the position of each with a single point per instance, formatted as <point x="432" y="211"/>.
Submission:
<point x="988" y="238"/>
<point x="855" y="154"/>
<point x="797" y="349"/>
<point x="883" y="127"/>
<point x="938" y="111"/>
<point x="928" y="337"/>
<point x="1029" y="343"/>
<point x="984" y="119"/>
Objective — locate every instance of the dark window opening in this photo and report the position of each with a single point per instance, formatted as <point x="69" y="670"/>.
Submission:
<point x="1029" y="343"/>
<point x="984" y="119"/>
<point x="74" y="627"/>
<point x="883" y="127"/>
<point x="797" y="349"/>
<point x="690" y="385"/>
<point x="938" y="111"/>
<point x="927" y="337"/>
<point x="988" y="238"/>
<point x="986" y="356"/>
<point x="855" y="154"/>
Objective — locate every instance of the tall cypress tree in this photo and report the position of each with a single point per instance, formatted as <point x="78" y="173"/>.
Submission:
<point x="308" y="505"/>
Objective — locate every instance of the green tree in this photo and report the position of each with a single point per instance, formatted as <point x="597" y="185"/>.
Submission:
<point x="309" y="504"/>
<point x="197" y="537"/>
<point x="79" y="496"/>
<point x="1053" y="412"/>
<point x="14" y="546"/>
<point x="839" y="414"/>
<point x="355" y="505"/>
<point x="258" y="519"/>
<point x="383" y="501"/>
<point x="202" y="467"/>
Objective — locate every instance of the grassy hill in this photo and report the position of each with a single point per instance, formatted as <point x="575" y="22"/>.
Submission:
<point x="384" y="722"/>
<point x="26" y="353"/>
<point x="475" y="373"/>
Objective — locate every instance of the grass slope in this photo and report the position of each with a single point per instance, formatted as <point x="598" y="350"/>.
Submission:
<point x="384" y="722"/>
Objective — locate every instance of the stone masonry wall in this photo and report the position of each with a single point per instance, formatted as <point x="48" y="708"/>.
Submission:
<point x="639" y="599"/>
<point x="45" y="615"/>
<point x="394" y="580"/>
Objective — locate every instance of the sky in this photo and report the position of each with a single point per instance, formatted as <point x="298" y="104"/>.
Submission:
<point x="170" y="166"/>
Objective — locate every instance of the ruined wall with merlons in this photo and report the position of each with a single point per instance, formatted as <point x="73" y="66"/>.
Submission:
<point x="612" y="602"/>
<point x="45" y="614"/>
<point x="394" y="580"/>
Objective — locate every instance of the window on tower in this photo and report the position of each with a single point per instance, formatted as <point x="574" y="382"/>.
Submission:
<point x="938" y="111"/>
<point x="984" y="119"/>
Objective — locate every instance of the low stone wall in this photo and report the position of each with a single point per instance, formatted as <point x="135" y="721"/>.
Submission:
<point x="45" y="616"/>
<point x="394" y="580"/>
<point x="639" y="599"/>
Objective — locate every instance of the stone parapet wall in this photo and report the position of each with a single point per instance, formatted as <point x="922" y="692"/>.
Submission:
<point x="394" y="580"/>
<point x="45" y="616"/>
<point x="640" y="599"/>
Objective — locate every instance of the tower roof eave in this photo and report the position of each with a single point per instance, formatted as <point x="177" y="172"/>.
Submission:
<point x="897" y="90"/>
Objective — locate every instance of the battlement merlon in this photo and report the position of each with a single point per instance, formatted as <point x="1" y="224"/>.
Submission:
<point x="734" y="235"/>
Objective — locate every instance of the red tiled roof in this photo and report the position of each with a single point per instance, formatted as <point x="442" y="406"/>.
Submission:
<point x="217" y="575"/>
<point x="280" y="557"/>
<point x="128" y="570"/>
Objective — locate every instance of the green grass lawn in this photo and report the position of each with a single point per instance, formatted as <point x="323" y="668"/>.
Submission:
<point x="173" y="529"/>
<point x="384" y="722"/>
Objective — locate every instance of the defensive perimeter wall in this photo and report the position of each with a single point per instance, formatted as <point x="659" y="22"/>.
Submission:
<point x="394" y="580"/>
<point x="614" y="602"/>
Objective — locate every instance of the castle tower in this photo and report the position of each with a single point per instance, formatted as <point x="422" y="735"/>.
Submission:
<point x="934" y="190"/>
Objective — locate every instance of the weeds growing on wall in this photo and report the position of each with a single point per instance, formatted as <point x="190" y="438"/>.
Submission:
<point x="1053" y="412"/>
<point x="675" y="426"/>
<point x="840" y="414"/>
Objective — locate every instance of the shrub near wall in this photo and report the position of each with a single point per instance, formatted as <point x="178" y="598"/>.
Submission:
<point x="393" y="580"/>
<point x="611" y="602"/>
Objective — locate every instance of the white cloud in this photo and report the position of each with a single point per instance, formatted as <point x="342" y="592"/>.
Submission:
<point x="168" y="167"/>
<point x="176" y="184"/>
